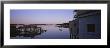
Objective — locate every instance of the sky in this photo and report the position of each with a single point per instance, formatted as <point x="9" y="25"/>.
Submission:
<point x="41" y="16"/>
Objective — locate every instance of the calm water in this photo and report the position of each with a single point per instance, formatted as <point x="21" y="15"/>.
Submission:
<point x="53" y="32"/>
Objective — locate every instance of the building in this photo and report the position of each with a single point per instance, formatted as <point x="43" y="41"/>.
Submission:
<point x="89" y="24"/>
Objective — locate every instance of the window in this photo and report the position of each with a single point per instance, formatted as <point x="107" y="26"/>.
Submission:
<point x="90" y="27"/>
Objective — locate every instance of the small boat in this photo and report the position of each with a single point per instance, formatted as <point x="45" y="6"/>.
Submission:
<point x="60" y="29"/>
<point x="44" y="30"/>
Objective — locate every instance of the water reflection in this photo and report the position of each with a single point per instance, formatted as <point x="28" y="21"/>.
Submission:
<point x="39" y="32"/>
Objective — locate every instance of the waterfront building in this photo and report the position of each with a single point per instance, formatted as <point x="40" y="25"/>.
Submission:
<point x="89" y="22"/>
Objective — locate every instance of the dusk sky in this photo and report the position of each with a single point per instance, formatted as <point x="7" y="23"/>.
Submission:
<point x="41" y="16"/>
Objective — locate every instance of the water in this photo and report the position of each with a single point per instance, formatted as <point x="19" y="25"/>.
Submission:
<point x="53" y="32"/>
